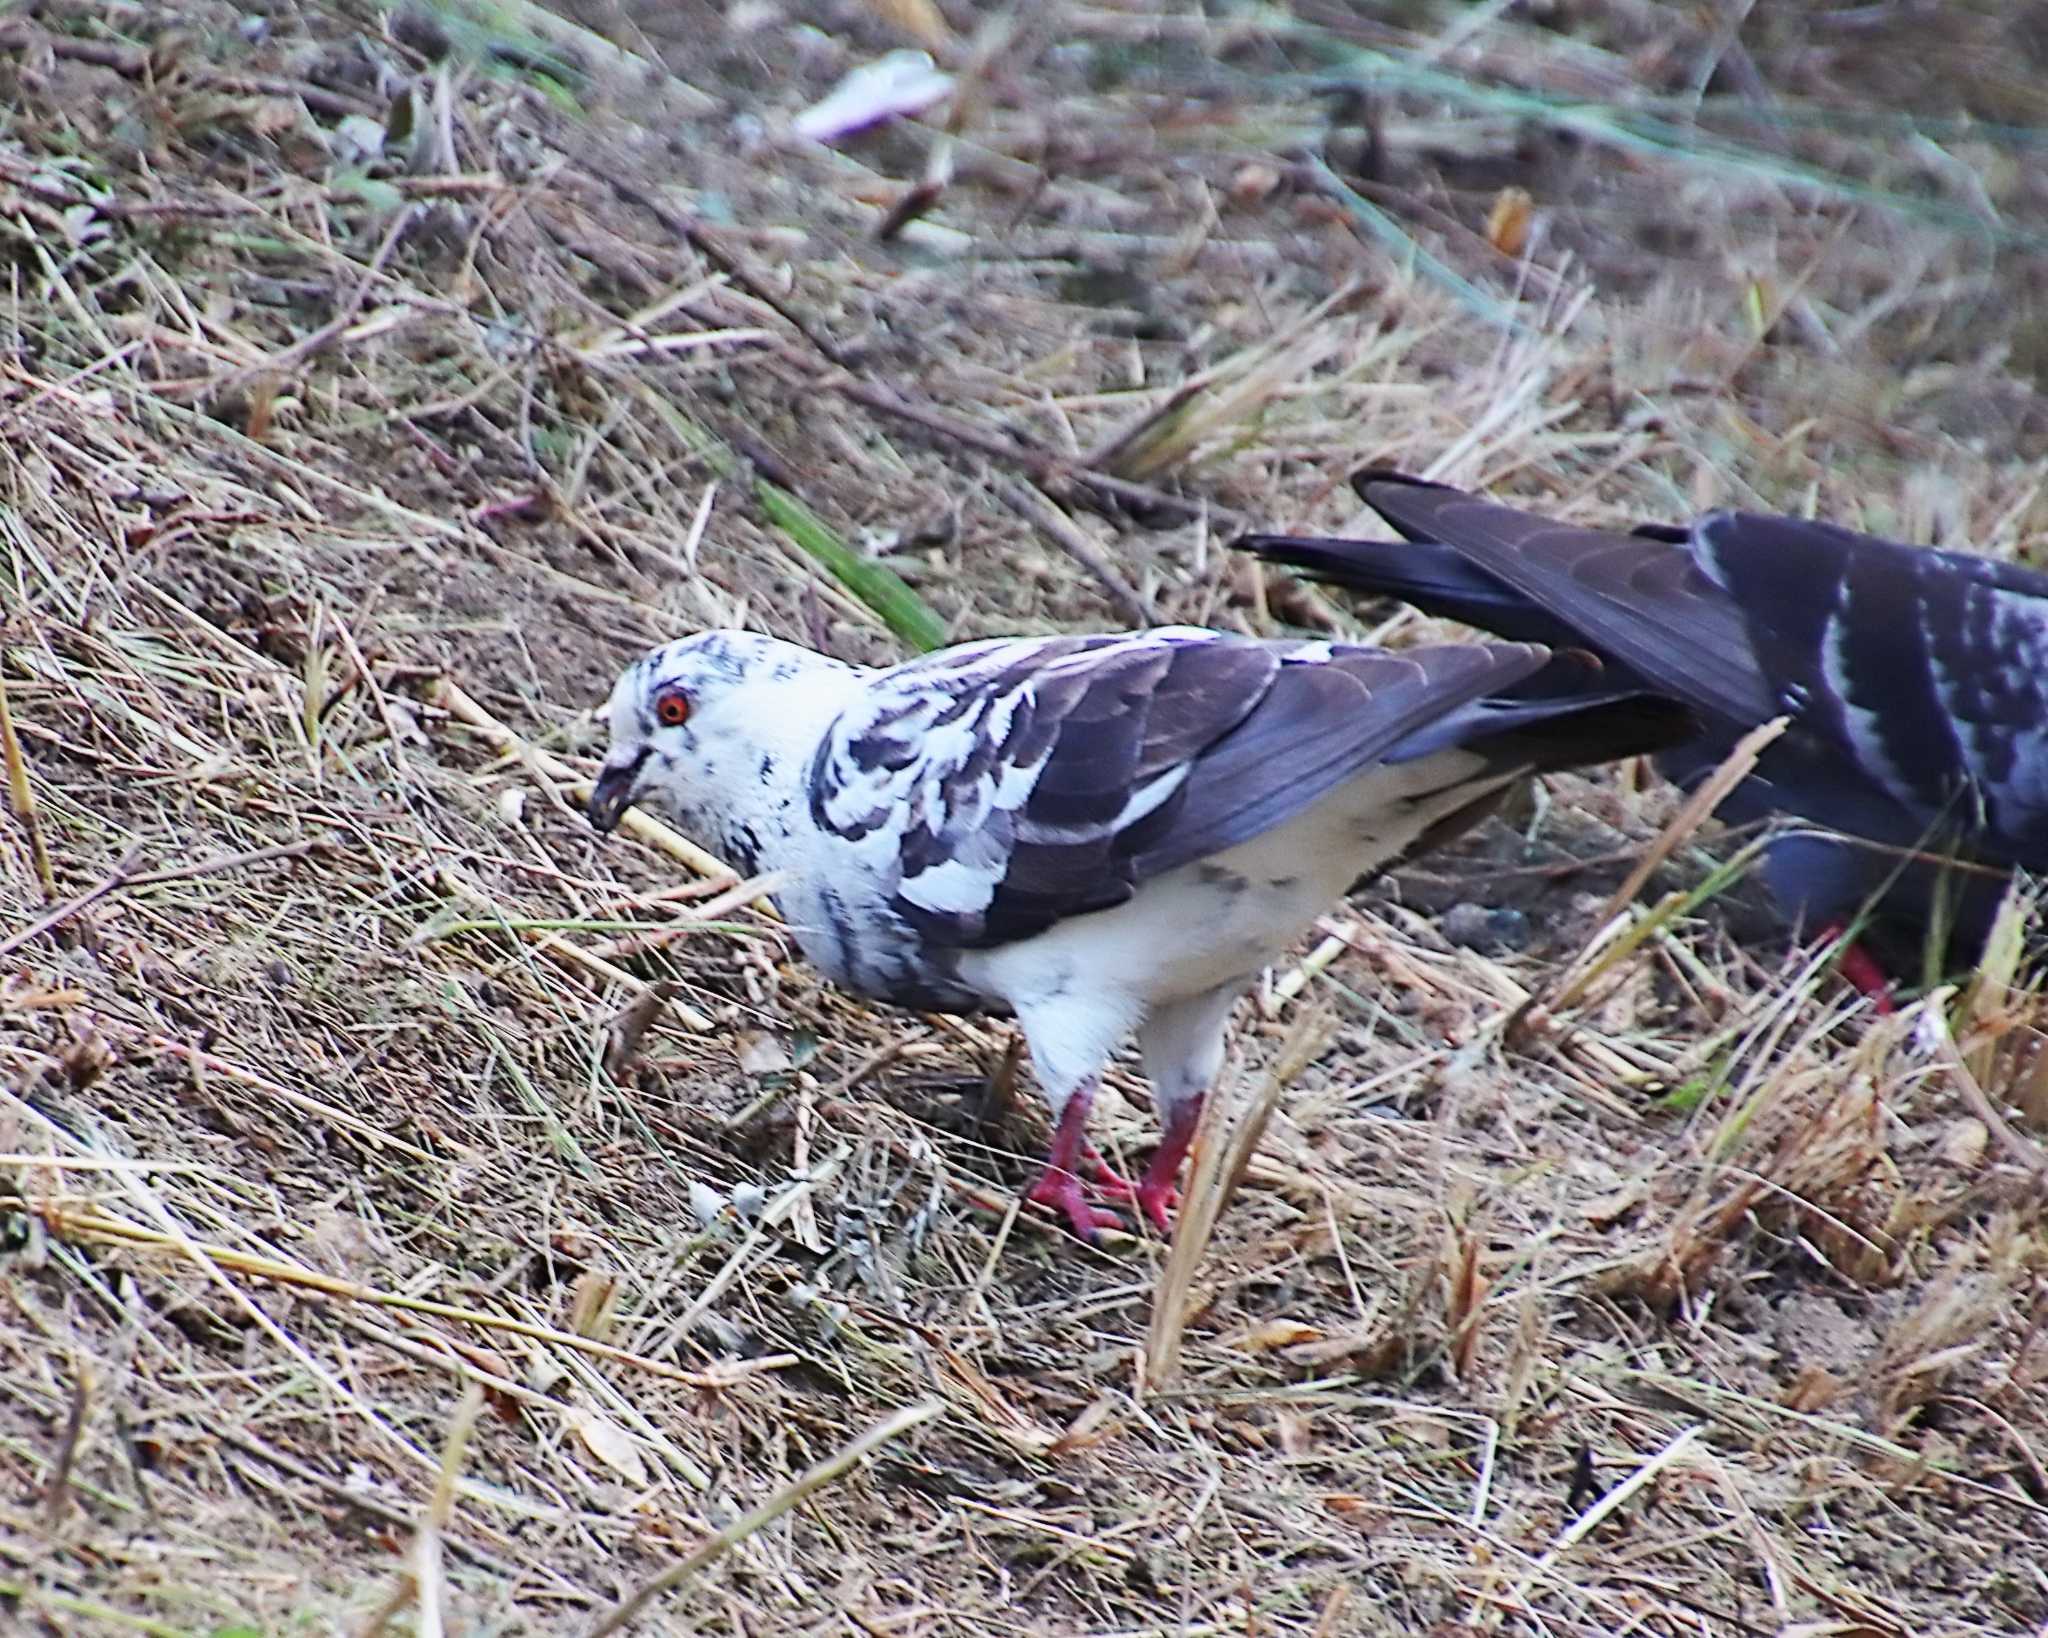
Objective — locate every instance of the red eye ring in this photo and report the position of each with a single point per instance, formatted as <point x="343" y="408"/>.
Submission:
<point x="672" y="709"/>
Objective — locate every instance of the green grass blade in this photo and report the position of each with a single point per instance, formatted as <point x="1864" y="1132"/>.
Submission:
<point x="880" y="588"/>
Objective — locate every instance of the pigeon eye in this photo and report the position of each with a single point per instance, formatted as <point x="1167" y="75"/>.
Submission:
<point x="672" y="709"/>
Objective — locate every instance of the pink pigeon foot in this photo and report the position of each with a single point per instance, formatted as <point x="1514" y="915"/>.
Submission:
<point x="1158" y="1202"/>
<point x="1060" y="1186"/>
<point x="1061" y="1190"/>
<point x="1107" y="1178"/>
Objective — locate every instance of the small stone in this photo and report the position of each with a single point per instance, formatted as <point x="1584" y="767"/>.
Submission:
<point x="1475" y="927"/>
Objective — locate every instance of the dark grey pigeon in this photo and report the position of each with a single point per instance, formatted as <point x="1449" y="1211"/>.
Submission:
<point x="1100" y="835"/>
<point x="1916" y="680"/>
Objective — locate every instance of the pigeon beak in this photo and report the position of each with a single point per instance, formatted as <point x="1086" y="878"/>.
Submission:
<point x="612" y="793"/>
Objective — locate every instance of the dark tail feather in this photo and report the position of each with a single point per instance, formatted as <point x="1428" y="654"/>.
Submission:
<point x="1559" y="718"/>
<point x="1436" y="579"/>
<point x="1597" y="730"/>
<point x="1386" y="479"/>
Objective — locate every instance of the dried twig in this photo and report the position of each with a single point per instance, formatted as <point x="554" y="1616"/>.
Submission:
<point x="1062" y="531"/>
<point x="241" y="1439"/>
<point x="1222" y="1153"/>
<point x="573" y="786"/>
<point x="820" y="1474"/>
<point x="1935" y="1028"/>
<point x="1156" y="507"/>
<point x="112" y="882"/>
<point x="83" y="1221"/>
<point x="21" y="796"/>
<point x="121" y="878"/>
<point x="136" y="63"/>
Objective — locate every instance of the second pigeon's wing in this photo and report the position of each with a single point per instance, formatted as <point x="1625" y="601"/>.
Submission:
<point x="1917" y="679"/>
<point x="1641" y="599"/>
<point x="1003" y="786"/>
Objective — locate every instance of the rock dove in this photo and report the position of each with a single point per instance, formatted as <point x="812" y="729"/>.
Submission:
<point x="1916" y="680"/>
<point x="1096" y="834"/>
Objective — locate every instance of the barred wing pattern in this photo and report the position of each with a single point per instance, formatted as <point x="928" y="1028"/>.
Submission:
<point x="1930" y="668"/>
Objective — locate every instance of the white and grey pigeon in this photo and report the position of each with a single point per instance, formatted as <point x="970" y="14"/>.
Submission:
<point x="1100" y="834"/>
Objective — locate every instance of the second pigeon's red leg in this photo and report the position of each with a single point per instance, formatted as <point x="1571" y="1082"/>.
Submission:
<point x="1060" y="1186"/>
<point x="1862" y="969"/>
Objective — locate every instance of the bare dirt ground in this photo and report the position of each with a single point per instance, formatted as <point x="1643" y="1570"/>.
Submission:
<point x="418" y="1216"/>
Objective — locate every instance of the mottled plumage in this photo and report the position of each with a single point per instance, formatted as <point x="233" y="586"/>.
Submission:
<point x="1099" y="834"/>
<point x="1916" y="680"/>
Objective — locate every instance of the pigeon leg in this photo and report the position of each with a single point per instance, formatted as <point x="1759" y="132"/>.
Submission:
<point x="1156" y="1195"/>
<point x="1861" y="968"/>
<point x="1183" y="1045"/>
<point x="1060" y="1186"/>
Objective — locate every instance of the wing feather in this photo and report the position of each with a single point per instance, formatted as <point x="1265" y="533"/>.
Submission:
<point x="1932" y="666"/>
<point x="1631" y="598"/>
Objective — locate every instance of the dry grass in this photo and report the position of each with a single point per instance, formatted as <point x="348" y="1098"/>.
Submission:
<point x="421" y="1218"/>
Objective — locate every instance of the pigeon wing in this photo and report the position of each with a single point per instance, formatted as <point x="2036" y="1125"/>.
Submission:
<point x="1002" y="787"/>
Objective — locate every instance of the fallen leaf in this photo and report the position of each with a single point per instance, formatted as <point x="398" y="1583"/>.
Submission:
<point x="1252" y="182"/>
<point x="1087" y="1430"/>
<point x="706" y="1203"/>
<point x="591" y="1307"/>
<point x="1323" y="1349"/>
<point x="1610" y="1209"/>
<point x="918" y="18"/>
<point x="761" y="1053"/>
<point x="1815" y="1388"/>
<point x="609" y="1443"/>
<point x="271" y="116"/>
<point x="1507" y="224"/>
<point x="902" y="83"/>
<point x="1276" y="1333"/>
<point x="1963" y="1144"/>
<point x="504" y="1405"/>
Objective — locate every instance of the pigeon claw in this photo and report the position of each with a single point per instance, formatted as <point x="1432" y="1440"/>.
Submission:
<point x="1061" y="1190"/>
<point x="1107" y="1178"/>
<point x="1155" y="1197"/>
<point x="1157" y="1201"/>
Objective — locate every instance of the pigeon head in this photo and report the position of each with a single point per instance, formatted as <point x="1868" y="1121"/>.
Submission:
<point x="691" y="718"/>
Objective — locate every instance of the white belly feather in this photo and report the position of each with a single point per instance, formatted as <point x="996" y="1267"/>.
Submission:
<point x="1220" y="920"/>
